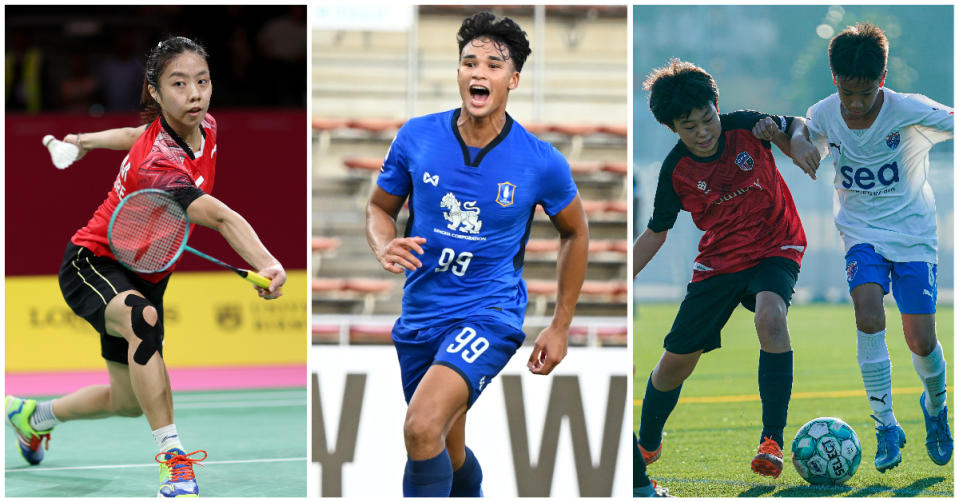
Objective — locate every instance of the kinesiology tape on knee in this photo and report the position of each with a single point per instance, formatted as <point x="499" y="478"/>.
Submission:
<point x="149" y="335"/>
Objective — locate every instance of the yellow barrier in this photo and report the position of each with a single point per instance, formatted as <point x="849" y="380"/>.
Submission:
<point x="211" y="319"/>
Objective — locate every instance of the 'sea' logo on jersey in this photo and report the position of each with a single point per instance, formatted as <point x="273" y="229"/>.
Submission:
<point x="892" y="141"/>
<point x="504" y="193"/>
<point x="744" y="161"/>
<point x="432" y="180"/>
<point x="463" y="218"/>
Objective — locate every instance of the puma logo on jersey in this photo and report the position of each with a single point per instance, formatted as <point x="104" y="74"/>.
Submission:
<point x="432" y="180"/>
<point x="881" y="400"/>
<point x="927" y="293"/>
<point x="199" y="181"/>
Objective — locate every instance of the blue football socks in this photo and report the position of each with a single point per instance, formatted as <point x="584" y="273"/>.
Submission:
<point x="428" y="478"/>
<point x="467" y="480"/>
<point x="775" y="389"/>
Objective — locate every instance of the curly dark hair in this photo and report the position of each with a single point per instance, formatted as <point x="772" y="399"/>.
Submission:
<point x="157" y="59"/>
<point x="503" y="31"/>
<point x="859" y="52"/>
<point x="678" y="88"/>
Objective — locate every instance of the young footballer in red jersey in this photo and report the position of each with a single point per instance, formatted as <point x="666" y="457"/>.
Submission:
<point x="722" y="171"/>
<point x="175" y="151"/>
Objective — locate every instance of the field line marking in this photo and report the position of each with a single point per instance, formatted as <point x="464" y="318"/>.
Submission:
<point x="124" y="466"/>
<point x="838" y="489"/>
<point x="796" y="395"/>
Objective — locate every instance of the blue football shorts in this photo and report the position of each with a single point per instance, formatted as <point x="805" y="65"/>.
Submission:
<point x="476" y="348"/>
<point x="913" y="282"/>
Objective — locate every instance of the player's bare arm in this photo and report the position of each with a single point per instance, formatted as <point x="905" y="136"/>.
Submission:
<point x="209" y="212"/>
<point x="121" y="138"/>
<point x="394" y="253"/>
<point x="645" y="247"/>
<point x="803" y="152"/>
<point x="551" y="344"/>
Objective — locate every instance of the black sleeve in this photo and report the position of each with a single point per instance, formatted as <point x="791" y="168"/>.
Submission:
<point x="186" y="195"/>
<point x="746" y="119"/>
<point x="666" y="205"/>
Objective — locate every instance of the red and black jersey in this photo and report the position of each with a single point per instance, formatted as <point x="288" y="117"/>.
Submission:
<point x="159" y="159"/>
<point x="737" y="196"/>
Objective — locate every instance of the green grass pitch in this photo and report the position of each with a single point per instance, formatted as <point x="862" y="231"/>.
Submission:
<point x="713" y="433"/>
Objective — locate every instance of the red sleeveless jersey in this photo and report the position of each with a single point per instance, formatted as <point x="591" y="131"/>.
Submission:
<point x="737" y="196"/>
<point x="159" y="159"/>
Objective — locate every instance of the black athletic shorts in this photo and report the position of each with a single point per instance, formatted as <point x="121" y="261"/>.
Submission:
<point x="710" y="302"/>
<point x="89" y="282"/>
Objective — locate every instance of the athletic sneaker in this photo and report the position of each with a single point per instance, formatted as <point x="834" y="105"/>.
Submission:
<point x="650" y="456"/>
<point x="176" y="473"/>
<point x="890" y="439"/>
<point x="651" y="490"/>
<point x="18" y="413"/>
<point x="938" y="438"/>
<point x="769" y="459"/>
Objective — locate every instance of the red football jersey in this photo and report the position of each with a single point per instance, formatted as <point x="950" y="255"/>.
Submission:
<point x="737" y="196"/>
<point x="159" y="159"/>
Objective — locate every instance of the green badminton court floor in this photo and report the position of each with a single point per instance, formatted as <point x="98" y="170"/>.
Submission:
<point x="255" y="440"/>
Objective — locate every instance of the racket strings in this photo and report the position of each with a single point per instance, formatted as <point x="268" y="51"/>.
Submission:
<point x="148" y="231"/>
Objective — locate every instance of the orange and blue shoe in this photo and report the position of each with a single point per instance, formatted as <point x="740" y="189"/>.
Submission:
<point x="18" y="413"/>
<point x="769" y="459"/>
<point x="176" y="473"/>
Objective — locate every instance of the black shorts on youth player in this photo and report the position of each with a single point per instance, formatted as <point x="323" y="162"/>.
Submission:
<point x="709" y="303"/>
<point x="89" y="282"/>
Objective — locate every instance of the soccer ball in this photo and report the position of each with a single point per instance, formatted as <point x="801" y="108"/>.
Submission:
<point x="826" y="451"/>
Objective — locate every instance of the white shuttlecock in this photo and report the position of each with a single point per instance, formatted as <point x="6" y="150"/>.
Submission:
<point x="62" y="154"/>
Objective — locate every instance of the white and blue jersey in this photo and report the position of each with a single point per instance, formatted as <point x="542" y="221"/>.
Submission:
<point x="474" y="207"/>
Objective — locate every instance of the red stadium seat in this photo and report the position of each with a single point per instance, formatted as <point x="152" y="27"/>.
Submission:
<point x="369" y="164"/>
<point x="616" y="167"/>
<point x="371" y="334"/>
<point x="617" y="206"/>
<point x="325" y="124"/>
<point x="616" y="130"/>
<point x="320" y="244"/>
<point x="376" y="125"/>
<point x="584" y="167"/>
<point x="619" y="246"/>
<point x="326" y="284"/>
<point x="542" y="245"/>
<point x="575" y="129"/>
<point x="598" y="246"/>
<point x="325" y="333"/>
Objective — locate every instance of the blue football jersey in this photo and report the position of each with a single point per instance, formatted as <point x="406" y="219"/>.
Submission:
<point x="474" y="207"/>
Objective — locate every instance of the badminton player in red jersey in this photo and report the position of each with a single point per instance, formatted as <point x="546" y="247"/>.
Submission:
<point x="174" y="151"/>
<point x="722" y="171"/>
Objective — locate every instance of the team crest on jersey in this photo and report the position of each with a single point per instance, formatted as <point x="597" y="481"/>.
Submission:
<point x="851" y="270"/>
<point x="744" y="161"/>
<point x="892" y="141"/>
<point x="504" y="193"/>
<point x="701" y="185"/>
<point x="464" y="218"/>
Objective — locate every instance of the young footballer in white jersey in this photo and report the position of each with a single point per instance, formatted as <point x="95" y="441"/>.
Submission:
<point x="879" y="141"/>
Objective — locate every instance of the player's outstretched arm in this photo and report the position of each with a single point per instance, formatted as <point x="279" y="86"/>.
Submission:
<point x="803" y="152"/>
<point x="395" y="254"/>
<point x="551" y="344"/>
<point x="645" y="247"/>
<point x="210" y="212"/>
<point x="121" y="138"/>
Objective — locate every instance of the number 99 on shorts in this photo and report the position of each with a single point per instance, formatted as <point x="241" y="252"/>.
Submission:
<point x="468" y="345"/>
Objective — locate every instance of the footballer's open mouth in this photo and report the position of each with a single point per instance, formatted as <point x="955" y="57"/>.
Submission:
<point x="479" y="95"/>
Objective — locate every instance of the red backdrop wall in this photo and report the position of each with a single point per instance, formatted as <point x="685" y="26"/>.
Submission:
<point x="261" y="173"/>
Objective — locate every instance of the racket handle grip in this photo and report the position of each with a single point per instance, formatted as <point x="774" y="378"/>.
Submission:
<point x="256" y="278"/>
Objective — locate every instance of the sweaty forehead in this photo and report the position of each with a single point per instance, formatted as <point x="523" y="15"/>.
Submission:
<point x="480" y="45"/>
